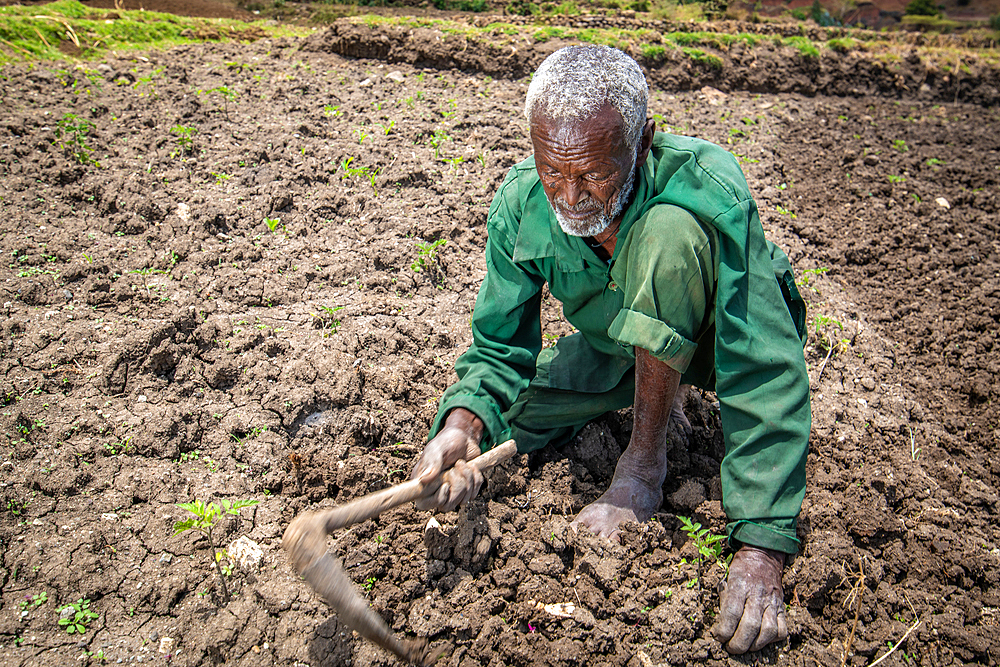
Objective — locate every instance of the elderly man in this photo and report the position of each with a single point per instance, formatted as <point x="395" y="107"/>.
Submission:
<point x="653" y="245"/>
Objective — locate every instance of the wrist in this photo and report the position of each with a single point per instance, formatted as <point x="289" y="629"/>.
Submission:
<point x="777" y="557"/>
<point x="467" y="422"/>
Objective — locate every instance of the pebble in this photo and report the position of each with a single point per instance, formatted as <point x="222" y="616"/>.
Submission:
<point x="396" y="76"/>
<point x="166" y="644"/>
<point x="166" y="557"/>
<point x="943" y="203"/>
<point x="247" y="554"/>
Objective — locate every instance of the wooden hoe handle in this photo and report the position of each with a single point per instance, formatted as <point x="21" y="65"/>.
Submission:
<point x="305" y="542"/>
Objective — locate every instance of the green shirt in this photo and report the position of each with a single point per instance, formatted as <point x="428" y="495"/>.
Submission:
<point x="692" y="280"/>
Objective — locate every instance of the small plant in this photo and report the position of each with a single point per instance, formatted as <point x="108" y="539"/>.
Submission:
<point x="438" y="138"/>
<point x="185" y="139"/>
<point x="327" y="320"/>
<point x="34" y="601"/>
<point x="78" y="617"/>
<point x="330" y="110"/>
<point x="204" y="520"/>
<point x="808" y="274"/>
<point x="71" y="132"/>
<point x="370" y="583"/>
<point x="272" y="223"/>
<point x="426" y="255"/>
<point x="900" y="145"/>
<point x="709" y="545"/>
<point x="893" y="178"/>
<point x="228" y="95"/>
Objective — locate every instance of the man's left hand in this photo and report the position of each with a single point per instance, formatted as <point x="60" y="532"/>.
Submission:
<point x="752" y="605"/>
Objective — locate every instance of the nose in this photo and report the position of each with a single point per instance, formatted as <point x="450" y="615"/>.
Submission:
<point x="572" y="193"/>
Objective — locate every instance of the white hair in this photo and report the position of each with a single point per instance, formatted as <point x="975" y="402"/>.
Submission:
<point x="574" y="83"/>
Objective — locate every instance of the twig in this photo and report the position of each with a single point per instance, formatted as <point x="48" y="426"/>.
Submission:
<point x="902" y="639"/>
<point x="41" y="37"/>
<point x="823" y="366"/>
<point x="16" y="48"/>
<point x="856" y="595"/>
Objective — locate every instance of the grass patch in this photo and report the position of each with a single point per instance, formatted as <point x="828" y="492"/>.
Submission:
<point x="702" y="58"/>
<point x="68" y="29"/>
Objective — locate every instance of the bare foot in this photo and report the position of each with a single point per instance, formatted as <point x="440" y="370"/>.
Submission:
<point x="634" y="495"/>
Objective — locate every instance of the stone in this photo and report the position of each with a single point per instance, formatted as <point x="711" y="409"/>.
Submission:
<point x="943" y="203"/>
<point x="396" y="76"/>
<point x="246" y="553"/>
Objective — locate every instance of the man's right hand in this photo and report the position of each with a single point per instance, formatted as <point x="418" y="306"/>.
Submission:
<point x="446" y="455"/>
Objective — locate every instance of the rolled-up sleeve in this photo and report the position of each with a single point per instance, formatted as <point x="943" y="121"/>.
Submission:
<point x="667" y="272"/>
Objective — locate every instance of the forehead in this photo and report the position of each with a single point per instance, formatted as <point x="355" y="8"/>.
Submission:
<point x="602" y="134"/>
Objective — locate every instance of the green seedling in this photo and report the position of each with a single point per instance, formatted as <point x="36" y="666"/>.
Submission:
<point x="708" y="544"/>
<point x="204" y="520"/>
<point x="34" y="601"/>
<point x="900" y="145"/>
<point x="438" y="138"/>
<point x="71" y="133"/>
<point x="272" y="223"/>
<point x="228" y="95"/>
<point x="330" y="110"/>
<point x="81" y="616"/>
<point x="426" y="255"/>
<point x="808" y="274"/>
<point x="370" y="583"/>
<point x="326" y="319"/>
<point x="893" y="178"/>
<point x="185" y="139"/>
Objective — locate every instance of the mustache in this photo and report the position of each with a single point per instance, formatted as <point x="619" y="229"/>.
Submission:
<point x="584" y="206"/>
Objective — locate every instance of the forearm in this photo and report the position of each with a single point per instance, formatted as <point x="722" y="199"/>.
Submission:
<point x="655" y="387"/>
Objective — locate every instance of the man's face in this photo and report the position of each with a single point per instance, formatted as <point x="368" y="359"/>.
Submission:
<point x="585" y="169"/>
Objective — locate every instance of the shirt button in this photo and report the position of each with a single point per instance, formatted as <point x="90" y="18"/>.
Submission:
<point x="613" y="286"/>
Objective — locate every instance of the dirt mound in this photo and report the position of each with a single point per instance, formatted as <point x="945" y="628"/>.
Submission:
<point x="229" y="306"/>
<point x="756" y="66"/>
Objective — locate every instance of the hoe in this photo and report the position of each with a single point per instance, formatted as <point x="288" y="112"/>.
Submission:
<point x="305" y="542"/>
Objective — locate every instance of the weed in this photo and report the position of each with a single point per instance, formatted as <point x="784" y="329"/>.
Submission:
<point x="808" y="274"/>
<point x="426" y="255"/>
<point x="71" y="132"/>
<point x="204" y="520"/>
<point x="893" y="178"/>
<point x="185" y="139"/>
<point x="933" y="162"/>
<point x="370" y="583"/>
<point x="34" y="601"/>
<point x="330" y="110"/>
<point x="228" y="95"/>
<point x="438" y="138"/>
<point x="326" y="319"/>
<point x="78" y="617"/>
<point x="900" y="145"/>
<point x="709" y="545"/>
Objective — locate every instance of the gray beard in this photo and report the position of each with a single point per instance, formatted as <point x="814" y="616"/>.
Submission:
<point x="598" y="221"/>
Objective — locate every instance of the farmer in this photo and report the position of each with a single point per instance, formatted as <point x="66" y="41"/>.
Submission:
<point x="653" y="244"/>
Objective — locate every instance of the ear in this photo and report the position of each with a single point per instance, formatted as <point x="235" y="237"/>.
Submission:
<point x="646" y="141"/>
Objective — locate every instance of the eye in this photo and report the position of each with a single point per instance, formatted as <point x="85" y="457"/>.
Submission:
<point x="598" y="177"/>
